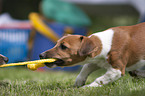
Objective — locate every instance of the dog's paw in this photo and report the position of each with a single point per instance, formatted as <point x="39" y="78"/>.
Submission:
<point x="93" y="84"/>
<point x="79" y="82"/>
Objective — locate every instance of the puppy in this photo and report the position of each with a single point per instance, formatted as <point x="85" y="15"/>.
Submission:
<point x="3" y="59"/>
<point x="116" y="49"/>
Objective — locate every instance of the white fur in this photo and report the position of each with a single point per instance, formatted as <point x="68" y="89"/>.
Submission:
<point x="110" y="76"/>
<point x="92" y="64"/>
<point x="106" y="40"/>
<point x="138" y="65"/>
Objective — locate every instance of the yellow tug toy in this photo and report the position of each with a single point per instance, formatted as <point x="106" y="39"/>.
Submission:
<point x="32" y="65"/>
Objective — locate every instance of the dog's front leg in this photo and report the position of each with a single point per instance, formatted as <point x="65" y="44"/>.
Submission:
<point x="110" y="76"/>
<point x="86" y="70"/>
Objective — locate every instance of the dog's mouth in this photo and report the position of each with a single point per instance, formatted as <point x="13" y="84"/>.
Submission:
<point x="58" y="62"/>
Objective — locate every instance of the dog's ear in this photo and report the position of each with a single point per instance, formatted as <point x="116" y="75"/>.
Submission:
<point x="87" y="47"/>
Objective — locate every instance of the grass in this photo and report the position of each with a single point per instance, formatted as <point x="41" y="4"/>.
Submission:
<point x="23" y="82"/>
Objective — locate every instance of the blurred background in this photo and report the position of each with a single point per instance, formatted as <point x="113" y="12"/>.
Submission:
<point x="29" y="27"/>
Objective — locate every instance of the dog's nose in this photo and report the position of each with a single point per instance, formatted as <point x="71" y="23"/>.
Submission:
<point x="6" y="59"/>
<point x="42" y="56"/>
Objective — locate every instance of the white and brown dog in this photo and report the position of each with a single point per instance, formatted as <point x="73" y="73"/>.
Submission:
<point x="120" y="48"/>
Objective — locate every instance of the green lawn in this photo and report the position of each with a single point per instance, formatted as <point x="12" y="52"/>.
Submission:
<point x="24" y="82"/>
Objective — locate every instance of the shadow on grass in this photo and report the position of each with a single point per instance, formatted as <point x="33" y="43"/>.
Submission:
<point x="57" y="86"/>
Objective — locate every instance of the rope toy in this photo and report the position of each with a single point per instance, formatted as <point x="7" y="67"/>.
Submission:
<point x="32" y="65"/>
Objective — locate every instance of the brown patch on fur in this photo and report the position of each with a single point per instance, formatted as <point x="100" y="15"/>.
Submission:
<point x="90" y="46"/>
<point x="97" y="42"/>
<point x="128" y="46"/>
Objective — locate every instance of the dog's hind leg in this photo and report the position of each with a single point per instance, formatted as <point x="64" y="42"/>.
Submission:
<point x="137" y="73"/>
<point x="137" y="70"/>
<point x="85" y="72"/>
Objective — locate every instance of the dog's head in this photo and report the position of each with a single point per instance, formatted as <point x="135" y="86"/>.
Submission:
<point x="72" y="49"/>
<point x="3" y="59"/>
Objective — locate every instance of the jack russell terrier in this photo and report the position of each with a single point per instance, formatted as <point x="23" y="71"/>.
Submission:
<point x="116" y="49"/>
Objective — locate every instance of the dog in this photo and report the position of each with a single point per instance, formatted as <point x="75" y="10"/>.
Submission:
<point x="3" y="59"/>
<point x="116" y="49"/>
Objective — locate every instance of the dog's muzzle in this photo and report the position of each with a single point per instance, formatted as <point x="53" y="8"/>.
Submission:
<point x="58" y="62"/>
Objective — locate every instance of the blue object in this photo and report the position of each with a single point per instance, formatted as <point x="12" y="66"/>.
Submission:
<point x="13" y="44"/>
<point x="42" y="43"/>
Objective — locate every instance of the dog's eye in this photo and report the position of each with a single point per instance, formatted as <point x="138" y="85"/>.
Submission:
<point x="63" y="47"/>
